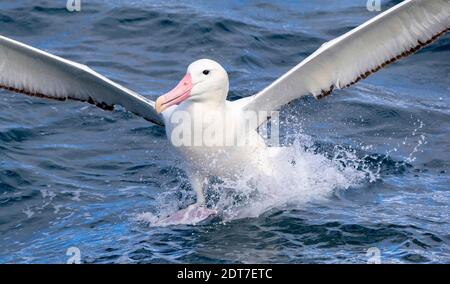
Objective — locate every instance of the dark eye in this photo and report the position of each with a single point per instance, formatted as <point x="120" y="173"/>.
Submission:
<point x="205" y="72"/>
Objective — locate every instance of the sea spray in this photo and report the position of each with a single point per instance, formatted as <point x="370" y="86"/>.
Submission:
<point x="300" y="174"/>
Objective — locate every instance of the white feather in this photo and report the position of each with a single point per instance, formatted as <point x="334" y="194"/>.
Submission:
<point x="343" y="61"/>
<point x="25" y="69"/>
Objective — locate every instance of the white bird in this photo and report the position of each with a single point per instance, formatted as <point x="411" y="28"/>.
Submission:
<point x="198" y="103"/>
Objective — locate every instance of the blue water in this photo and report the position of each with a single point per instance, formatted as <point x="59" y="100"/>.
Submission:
<point x="72" y="175"/>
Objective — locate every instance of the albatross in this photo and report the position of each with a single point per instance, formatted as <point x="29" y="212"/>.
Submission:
<point x="199" y="102"/>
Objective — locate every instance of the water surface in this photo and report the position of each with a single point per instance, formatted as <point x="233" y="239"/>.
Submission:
<point x="373" y="160"/>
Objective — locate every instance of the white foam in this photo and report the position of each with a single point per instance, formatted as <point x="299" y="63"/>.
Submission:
<point x="300" y="176"/>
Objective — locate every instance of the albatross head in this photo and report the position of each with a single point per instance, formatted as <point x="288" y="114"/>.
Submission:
<point x="205" y="81"/>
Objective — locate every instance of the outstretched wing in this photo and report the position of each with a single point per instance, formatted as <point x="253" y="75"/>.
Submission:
<point x="339" y="63"/>
<point x="33" y="72"/>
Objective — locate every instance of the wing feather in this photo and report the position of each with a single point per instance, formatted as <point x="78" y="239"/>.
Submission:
<point x="33" y="72"/>
<point x="343" y="61"/>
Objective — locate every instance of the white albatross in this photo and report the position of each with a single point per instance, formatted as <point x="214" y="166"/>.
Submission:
<point x="339" y="63"/>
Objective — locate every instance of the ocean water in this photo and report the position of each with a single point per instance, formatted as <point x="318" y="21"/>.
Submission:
<point x="371" y="168"/>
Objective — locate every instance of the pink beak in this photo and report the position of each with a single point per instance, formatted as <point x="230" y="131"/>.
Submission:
<point x="178" y="94"/>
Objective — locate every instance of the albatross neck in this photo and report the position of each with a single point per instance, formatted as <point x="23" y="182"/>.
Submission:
<point x="215" y="101"/>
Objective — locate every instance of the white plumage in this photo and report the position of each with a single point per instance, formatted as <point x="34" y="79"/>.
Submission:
<point x="343" y="61"/>
<point x="34" y="72"/>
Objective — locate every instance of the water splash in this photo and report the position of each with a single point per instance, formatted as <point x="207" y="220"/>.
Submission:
<point x="418" y="125"/>
<point x="301" y="175"/>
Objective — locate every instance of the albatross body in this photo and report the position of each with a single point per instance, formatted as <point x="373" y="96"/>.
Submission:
<point x="213" y="136"/>
<point x="210" y="133"/>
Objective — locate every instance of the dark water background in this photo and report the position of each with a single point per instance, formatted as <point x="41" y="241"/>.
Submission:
<point x="73" y="175"/>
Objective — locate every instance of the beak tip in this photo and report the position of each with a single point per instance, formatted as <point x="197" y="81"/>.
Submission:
<point x="158" y="106"/>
